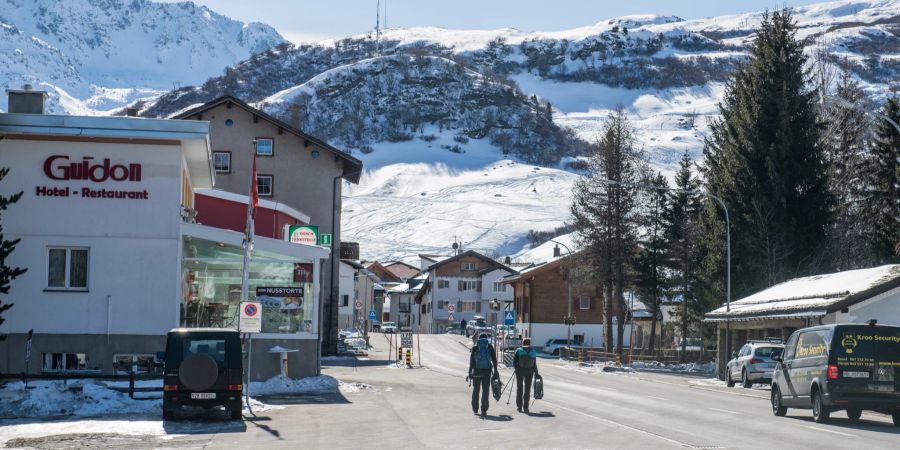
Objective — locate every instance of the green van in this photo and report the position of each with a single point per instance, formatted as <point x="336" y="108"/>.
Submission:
<point x="851" y="367"/>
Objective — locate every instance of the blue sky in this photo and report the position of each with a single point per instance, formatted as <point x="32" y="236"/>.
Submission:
<point x="320" y="19"/>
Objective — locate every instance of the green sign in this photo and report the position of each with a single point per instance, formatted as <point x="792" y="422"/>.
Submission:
<point x="304" y="234"/>
<point x="325" y="239"/>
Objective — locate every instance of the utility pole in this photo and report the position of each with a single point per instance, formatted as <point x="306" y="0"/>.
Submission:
<point x="569" y="286"/>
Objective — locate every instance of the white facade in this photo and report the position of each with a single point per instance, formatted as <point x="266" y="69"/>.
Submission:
<point x="593" y="333"/>
<point x="346" y="296"/>
<point x="884" y="307"/>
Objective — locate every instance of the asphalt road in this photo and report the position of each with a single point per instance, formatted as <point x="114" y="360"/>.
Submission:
<point x="582" y="408"/>
<point x="429" y="407"/>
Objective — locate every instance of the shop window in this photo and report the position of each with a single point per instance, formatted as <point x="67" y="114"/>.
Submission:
<point x="222" y="162"/>
<point x="59" y="362"/>
<point x="584" y="302"/>
<point x="67" y="268"/>
<point x="265" y="185"/>
<point x="443" y="284"/>
<point x="127" y="363"/>
<point x="265" y="146"/>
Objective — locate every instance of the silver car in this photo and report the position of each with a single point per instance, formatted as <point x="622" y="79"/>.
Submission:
<point x="753" y="363"/>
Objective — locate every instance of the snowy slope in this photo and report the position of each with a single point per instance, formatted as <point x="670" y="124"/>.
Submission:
<point x="95" y="55"/>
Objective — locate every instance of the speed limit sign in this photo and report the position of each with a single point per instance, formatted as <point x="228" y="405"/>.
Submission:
<point x="451" y="308"/>
<point x="358" y="304"/>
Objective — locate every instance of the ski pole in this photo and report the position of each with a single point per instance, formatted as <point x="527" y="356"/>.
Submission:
<point x="508" y="396"/>
<point x="507" y="383"/>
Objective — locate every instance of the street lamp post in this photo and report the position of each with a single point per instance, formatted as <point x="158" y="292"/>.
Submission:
<point x="569" y="285"/>
<point x="846" y="104"/>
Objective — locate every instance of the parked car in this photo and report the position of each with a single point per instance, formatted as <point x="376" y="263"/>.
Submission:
<point x="553" y="345"/>
<point x="376" y="325"/>
<point x="753" y="363"/>
<point x="851" y="367"/>
<point x="388" y="327"/>
<point x="476" y="325"/>
<point x="202" y="367"/>
<point x="452" y="329"/>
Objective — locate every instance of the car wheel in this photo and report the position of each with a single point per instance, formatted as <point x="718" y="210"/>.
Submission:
<point x="854" y="413"/>
<point x="728" y="380"/>
<point x="555" y="352"/>
<point x="237" y="414"/>
<point x="745" y="382"/>
<point x="168" y="414"/>
<point x="820" y="412"/>
<point x="777" y="407"/>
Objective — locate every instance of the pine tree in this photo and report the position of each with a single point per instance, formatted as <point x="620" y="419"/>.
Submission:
<point x="651" y="262"/>
<point x="764" y="159"/>
<point x="7" y="274"/>
<point x="881" y="181"/>
<point x="846" y="141"/>
<point x="681" y="219"/>
<point x="605" y="212"/>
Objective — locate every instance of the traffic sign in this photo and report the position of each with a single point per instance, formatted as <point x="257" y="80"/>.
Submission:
<point x="372" y="315"/>
<point x="325" y="239"/>
<point x="509" y="318"/>
<point x="452" y="308"/>
<point x="251" y="317"/>
<point x="451" y="319"/>
<point x="359" y="304"/>
<point x="406" y="340"/>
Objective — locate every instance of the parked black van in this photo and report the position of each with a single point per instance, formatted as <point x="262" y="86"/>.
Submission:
<point x="202" y="367"/>
<point x="833" y="367"/>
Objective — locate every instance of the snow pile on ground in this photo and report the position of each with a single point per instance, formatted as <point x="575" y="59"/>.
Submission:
<point x="121" y="427"/>
<point x="355" y="387"/>
<point x="708" y="367"/>
<point x="78" y="398"/>
<point x="322" y="384"/>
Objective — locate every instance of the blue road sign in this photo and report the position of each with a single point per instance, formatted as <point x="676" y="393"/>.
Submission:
<point x="509" y="318"/>
<point x="371" y="315"/>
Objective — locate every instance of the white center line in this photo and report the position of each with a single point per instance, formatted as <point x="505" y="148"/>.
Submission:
<point x="658" y="398"/>
<point x="831" y="431"/>
<point x="724" y="410"/>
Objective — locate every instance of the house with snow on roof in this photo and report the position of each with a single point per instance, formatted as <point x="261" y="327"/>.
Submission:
<point x="852" y="296"/>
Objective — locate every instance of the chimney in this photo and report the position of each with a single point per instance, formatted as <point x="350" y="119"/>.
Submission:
<point x="556" y="251"/>
<point x="131" y="112"/>
<point x="26" y="100"/>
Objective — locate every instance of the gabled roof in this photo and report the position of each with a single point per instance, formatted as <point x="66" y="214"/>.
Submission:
<point x="539" y="268"/>
<point x="494" y="264"/>
<point x="813" y="296"/>
<point x="403" y="270"/>
<point x="387" y="276"/>
<point x="352" y="166"/>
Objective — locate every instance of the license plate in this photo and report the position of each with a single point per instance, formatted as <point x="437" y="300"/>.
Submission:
<point x="856" y="374"/>
<point x="203" y="395"/>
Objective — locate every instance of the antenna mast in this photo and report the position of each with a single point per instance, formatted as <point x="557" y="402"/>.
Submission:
<point x="377" y="27"/>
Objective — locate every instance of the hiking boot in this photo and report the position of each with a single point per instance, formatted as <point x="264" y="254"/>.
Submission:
<point x="483" y="413"/>
<point x="526" y="410"/>
<point x="519" y="408"/>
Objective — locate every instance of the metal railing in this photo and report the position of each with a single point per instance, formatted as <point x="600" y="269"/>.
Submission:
<point x="66" y="376"/>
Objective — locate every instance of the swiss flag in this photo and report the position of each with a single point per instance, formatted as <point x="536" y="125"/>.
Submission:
<point x="254" y="192"/>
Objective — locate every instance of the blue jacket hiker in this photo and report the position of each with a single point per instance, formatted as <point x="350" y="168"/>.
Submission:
<point x="525" y="363"/>
<point x="482" y="365"/>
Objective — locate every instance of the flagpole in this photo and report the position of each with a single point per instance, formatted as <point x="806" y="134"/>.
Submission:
<point x="252" y="201"/>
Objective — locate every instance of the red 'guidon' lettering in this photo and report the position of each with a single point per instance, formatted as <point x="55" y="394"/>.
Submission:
<point x="84" y="170"/>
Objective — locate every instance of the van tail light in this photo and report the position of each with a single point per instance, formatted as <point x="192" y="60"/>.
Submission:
<point x="170" y="387"/>
<point x="235" y="387"/>
<point x="832" y="372"/>
<point x="756" y="361"/>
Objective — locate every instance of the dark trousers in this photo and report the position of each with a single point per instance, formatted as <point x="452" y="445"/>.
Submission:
<point x="481" y="380"/>
<point x="524" y="379"/>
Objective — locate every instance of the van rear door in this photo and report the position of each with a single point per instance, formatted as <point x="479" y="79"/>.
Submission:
<point x="867" y="358"/>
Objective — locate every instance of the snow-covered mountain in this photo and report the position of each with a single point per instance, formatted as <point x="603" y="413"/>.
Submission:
<point x="97" y="55"/>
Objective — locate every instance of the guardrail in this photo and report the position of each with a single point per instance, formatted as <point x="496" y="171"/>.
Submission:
<point x="66" y="376"/>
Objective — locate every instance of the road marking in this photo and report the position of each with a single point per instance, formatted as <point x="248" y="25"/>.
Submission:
<point x="622" y="425"/>
<point x="831" y="431"/>
<point x="724" y="410"/>
<point x="658" y="398"/>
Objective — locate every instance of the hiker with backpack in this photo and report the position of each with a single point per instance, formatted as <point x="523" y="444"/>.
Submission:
<point x="482" y="368"/>
<point x="525" y="364"/>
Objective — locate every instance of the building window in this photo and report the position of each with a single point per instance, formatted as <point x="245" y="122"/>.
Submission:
<point x="499" y="287"/>
<point x="584" y="302"/>
<point x="265" y="185"/>
<point x="468" y="285"/>
<point x="265" y="146"/>
<point x="345" y="300"/>
<point x="443" y="284"/>
<point x="58" y="362"/>
<point x="442" y="304"/>
<point x="124" y="364"/>
<point x="469" y="306"/>
<point x="67" y="268"/>
<point x="222" y="162"/>
<point x="469" y="266"/>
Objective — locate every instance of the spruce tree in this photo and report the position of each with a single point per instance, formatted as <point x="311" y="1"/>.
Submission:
<point x="7" y="274"/>
<point x="764" y="159"/>
<point x="881" y="181"/>
<point x="651" y="263"/>
<point x="681" y="233"/>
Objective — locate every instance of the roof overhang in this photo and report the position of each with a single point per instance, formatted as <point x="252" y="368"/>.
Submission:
<point x="245" y="200"/>
<point x="773" y="316"/>
<point x="228" y="237"/>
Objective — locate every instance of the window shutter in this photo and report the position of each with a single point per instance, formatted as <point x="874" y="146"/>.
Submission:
<point x="460" y="286"/>
<point x="478" y="286"/>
